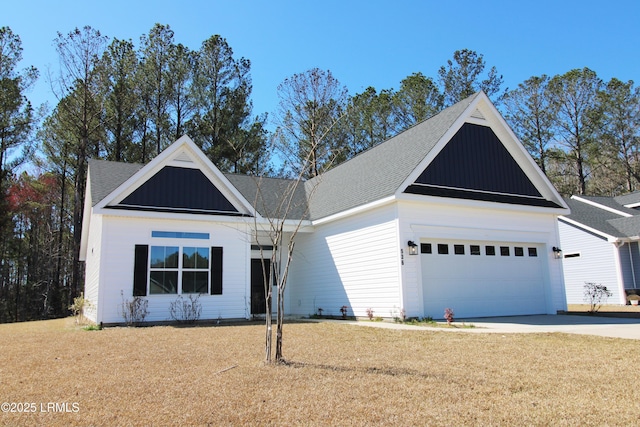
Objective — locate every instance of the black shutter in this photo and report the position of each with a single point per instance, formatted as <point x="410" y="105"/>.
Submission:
<point x="140" y="271"/>
<point x="216" y="270"/>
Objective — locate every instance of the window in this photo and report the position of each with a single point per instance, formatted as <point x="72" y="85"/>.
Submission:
<point x="443" y="248"/>
<point x="425" y="248"/>
<point x="167" y="270"/>
<point x="474" y="249"/>
<point x="518" y="251"/>
<point x="163" y="270"/>
<point x="504" y="250"/>
<point x="180" y="235"/>
<point x="533" y="252"/>
<point x="264" y="247"/>
<point x="195" y="270"/>
<point x="458" y="249"/>
<point x="175" y="270"/>
<point x="490" y="250"/>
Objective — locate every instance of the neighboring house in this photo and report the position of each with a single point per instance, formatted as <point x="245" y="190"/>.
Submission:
<point x="599" y="242"/>
<point x="453" y="212"/>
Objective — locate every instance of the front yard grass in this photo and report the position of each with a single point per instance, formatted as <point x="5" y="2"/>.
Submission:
<point x="337" y="374"/>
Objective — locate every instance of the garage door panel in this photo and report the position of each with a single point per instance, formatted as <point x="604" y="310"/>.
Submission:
<point x="483" y="285"/>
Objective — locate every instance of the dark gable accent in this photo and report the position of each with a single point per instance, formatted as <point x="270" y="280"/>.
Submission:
<point x="475" y="165"/>
<point x="475" y="159"/>
<point x="179" y="189"/>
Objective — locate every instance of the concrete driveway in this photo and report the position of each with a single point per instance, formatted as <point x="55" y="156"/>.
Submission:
<point x="585" y="325"/>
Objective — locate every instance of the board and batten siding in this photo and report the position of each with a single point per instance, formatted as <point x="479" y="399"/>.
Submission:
<point x="469" y="221"/>
<point x="596" y="263"/>
<point x="352" y="261"/>
<point x="121" y="234"/>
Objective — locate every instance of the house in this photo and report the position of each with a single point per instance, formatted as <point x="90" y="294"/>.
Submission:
<point x="599" y="242"/>
<point x="452" y="212"/>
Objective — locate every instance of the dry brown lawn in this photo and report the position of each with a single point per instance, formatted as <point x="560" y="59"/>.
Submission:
<point x="607" y="310"/>
<point x="338" y="375"/>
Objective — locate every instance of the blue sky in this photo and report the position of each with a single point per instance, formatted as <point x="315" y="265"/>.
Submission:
<point x="363" y="43"/>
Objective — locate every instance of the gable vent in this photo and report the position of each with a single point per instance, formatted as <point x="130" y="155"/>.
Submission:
<point x="183" y="157"/>
<point x="477" y="115"/>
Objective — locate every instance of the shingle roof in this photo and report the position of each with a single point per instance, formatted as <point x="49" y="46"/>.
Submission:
<point x="629" y="227"/>
<point x="268" y="199"/>
<point x="106" y="176"/>
<point x="610" y="202"/>
<point x="379" y="172"/>
<point x="593" y="217"/>
<point x="369" y="176"/>
<point x="628" y="199"/>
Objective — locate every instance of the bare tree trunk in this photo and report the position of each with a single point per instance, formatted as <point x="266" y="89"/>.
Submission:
<point x="280" y="314"/>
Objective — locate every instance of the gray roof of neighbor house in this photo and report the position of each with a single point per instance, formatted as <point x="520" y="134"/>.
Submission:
<point x="378" y="172"/>
<point x="628" y="199"/>
<point x="603" y="220"/>
<point x="610" y="202"/>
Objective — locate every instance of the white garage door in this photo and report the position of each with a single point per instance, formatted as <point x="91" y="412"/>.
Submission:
<point x="478" y="279"/>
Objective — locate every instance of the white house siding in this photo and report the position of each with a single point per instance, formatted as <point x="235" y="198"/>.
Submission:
<point x="596" y="263"/>
<point x="474" y="222"/>
<point x="121" y="234"/>
<point x="92" y="268"/>
<point x="352" y="261"/>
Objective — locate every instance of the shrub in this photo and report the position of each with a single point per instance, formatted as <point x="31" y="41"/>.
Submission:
<point x="595" y="295"/>
<point x="78" y="307"/>
<point x="134" y="311"/>
<point x="185" y="310"/>
<point x="344" y="309"/>
<point x="370" y="313"/>
<point x="448" y="315"/>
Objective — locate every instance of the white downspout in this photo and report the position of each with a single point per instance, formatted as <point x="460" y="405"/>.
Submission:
<point x="633" y="272"/>
<point x="619" y="277"/>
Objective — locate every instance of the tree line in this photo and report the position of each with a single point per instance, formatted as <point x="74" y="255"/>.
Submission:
<point x="127" y="102"/>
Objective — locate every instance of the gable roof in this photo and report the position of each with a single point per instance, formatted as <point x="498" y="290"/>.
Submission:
<point x="604" y="216"/>
<point x="145" y="187"/>
<point x="378" y="172"/>
<point x="391" y="167"/>
<point x="107" y="175"/>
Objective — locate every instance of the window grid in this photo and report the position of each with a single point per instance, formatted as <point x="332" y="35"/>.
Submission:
<point x="179" y="270"/>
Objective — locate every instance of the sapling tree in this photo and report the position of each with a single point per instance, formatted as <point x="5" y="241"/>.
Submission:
<point x="310" y="106"/>
<point x="278" y="228"/>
